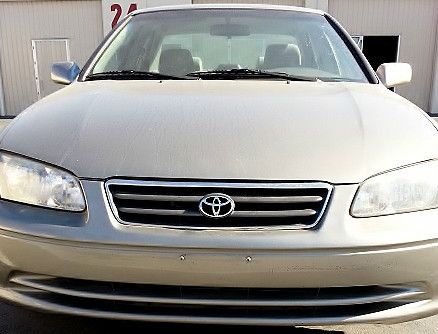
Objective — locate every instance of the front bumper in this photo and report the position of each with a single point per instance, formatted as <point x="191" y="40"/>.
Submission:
<point x="386" y="268"/>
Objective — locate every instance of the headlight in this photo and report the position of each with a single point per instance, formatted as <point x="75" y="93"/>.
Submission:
<point x="407" y="189"/>
<point x="30" y="182"/>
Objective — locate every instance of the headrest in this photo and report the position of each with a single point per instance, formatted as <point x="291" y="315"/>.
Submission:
<point x="198" y="64"/>
<point x="176" y="62"/>
<point x="282" y="55"/>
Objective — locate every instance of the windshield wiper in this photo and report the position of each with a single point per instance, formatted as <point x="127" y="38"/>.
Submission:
<point x="133" y="75"/>
<point x="246" y="73"/>
<point x="337" y="79"/>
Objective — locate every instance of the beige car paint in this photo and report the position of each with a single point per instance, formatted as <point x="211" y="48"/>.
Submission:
<point x="339" y="133"/>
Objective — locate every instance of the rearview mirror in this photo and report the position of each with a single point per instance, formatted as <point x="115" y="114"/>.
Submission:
<point x="65" y="72"/>
<point x="393" y="74"/>
<point x="230" y="30"/>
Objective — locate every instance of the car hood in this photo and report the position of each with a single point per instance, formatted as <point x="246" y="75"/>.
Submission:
<point x="264" y="130"/>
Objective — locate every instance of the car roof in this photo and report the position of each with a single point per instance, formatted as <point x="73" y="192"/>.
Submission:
<point x="230" y="6"/>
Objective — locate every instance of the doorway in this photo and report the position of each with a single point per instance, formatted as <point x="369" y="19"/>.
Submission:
<point x="381" y="49"/>
<point x="45" y="52"/>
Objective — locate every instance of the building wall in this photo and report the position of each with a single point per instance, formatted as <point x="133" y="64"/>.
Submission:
<point x="415" y="21"/>
<point x="299" y="3"/>
<point x="4" y="123"/>
<point x="20" y="22"/>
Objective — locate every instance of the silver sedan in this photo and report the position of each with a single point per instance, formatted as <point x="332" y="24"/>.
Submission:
<point x="223" y="164"/>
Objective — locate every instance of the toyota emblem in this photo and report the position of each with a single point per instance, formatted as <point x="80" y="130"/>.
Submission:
<point x="216" y="205"/>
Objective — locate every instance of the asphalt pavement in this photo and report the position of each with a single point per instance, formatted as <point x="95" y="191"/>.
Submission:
<point x="18" y="320"/>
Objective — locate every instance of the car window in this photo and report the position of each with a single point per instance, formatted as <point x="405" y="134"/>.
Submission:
<point x="184" y="41"/>
<point x="240" y="51"/>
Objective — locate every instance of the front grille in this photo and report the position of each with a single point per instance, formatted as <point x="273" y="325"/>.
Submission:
<point x="257" y="205"/>
<point x="213" y="304"/>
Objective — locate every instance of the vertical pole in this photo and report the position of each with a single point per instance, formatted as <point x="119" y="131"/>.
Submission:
<point x="35" y="68"/>
<point x="434" y="93"/>
<point x="2" y="93"/>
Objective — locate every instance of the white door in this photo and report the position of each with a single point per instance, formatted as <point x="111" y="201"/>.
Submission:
<point x="45" y="53"/>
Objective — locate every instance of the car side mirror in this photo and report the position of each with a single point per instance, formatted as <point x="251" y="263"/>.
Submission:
<point x="64" y="72"/>
<point x="393" y="74"/>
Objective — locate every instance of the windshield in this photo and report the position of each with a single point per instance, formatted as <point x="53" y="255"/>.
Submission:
<point x="179" y="42"/>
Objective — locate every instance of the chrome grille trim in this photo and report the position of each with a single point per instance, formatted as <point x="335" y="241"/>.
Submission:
<point x="214" y="305"/>
<point x="151" y="293"/>
<point x="284" y="213"/>
<point x="249" y="199"/>
<point x="273" y="199"/>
